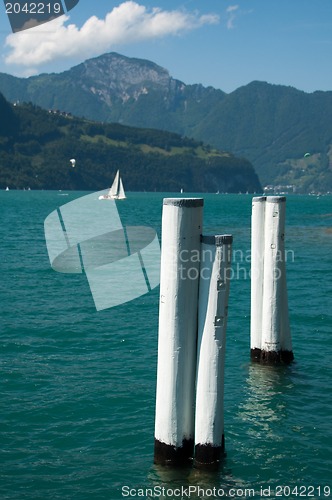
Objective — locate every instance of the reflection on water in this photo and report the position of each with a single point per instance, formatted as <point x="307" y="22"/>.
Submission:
<point x="265" y="403"/>
<point x="195" y="483"/>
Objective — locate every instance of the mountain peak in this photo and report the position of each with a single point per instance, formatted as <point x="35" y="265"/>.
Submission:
<point x="118" y="66"/>
<point x="115" y="76"/>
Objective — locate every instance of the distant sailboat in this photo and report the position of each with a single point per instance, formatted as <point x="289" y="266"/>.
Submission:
<point x="7" y="188"/>
<point x="116" y="192"/>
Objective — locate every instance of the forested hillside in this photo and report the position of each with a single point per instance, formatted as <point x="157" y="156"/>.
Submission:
<point x="36" y="147"/>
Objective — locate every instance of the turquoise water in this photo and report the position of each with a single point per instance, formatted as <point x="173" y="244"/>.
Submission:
<point x="78" y="386"/>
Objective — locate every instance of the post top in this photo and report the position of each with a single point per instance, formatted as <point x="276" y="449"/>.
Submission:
<point x="184" y="202"/>
<point x="257" y="199"/>
<point x="276" y="199"/>
<point x="217" y="239"/>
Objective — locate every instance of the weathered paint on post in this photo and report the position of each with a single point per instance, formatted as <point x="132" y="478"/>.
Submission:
<point x="276" y="344"/>
<point x="182" y="222"/>
<point x="212" y="321"/>
<point x="257" y="274"/>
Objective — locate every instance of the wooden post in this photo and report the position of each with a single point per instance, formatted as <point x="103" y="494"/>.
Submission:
<point x="182" y="222"/>
<point x="212" y="321"/>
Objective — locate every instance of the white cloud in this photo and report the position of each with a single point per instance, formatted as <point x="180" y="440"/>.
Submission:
<point x="231" y="10"/>
<point x="128" y="23"/>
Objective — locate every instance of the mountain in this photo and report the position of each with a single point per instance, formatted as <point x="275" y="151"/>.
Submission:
<point x="115" y="88"/>
<point x="276" y="127"/>
<point x="272" y="125"/>
<point x="36" y="147"/>
<point x="8" y="122"/>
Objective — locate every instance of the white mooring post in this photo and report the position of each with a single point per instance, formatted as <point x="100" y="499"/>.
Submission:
<point x="276" y="345"/>
<point x="257" y="274"/>
<point x="182" y="222"/>
<point x="212" y="320"/>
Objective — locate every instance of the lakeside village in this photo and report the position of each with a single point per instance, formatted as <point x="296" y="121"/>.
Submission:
<point x="289" y="189"/>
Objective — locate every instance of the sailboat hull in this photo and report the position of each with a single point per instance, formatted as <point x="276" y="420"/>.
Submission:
<point x="111" y="197"/>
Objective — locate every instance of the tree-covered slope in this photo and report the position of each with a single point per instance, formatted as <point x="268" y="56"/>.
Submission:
<point x="275" y="126"/>
<point x="36" y="147"/>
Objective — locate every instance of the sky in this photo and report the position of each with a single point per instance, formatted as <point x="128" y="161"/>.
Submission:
<point x="220" y="43"/>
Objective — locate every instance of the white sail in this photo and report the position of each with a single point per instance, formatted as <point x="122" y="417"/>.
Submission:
<point x="121" y="195"/>
<point x="116" y="192"/>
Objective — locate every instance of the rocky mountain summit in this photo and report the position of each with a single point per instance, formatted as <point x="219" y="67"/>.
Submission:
<point x="115" y="77"/>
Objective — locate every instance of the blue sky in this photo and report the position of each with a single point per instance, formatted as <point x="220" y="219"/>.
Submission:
<point x="221" y="43"/>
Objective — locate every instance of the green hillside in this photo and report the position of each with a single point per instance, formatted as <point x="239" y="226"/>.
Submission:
<point x="273" y="126"/>
<point x="36" y="147"/>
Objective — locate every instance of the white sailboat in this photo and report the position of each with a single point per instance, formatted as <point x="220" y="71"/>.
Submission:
<point x="116" y="192"/>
